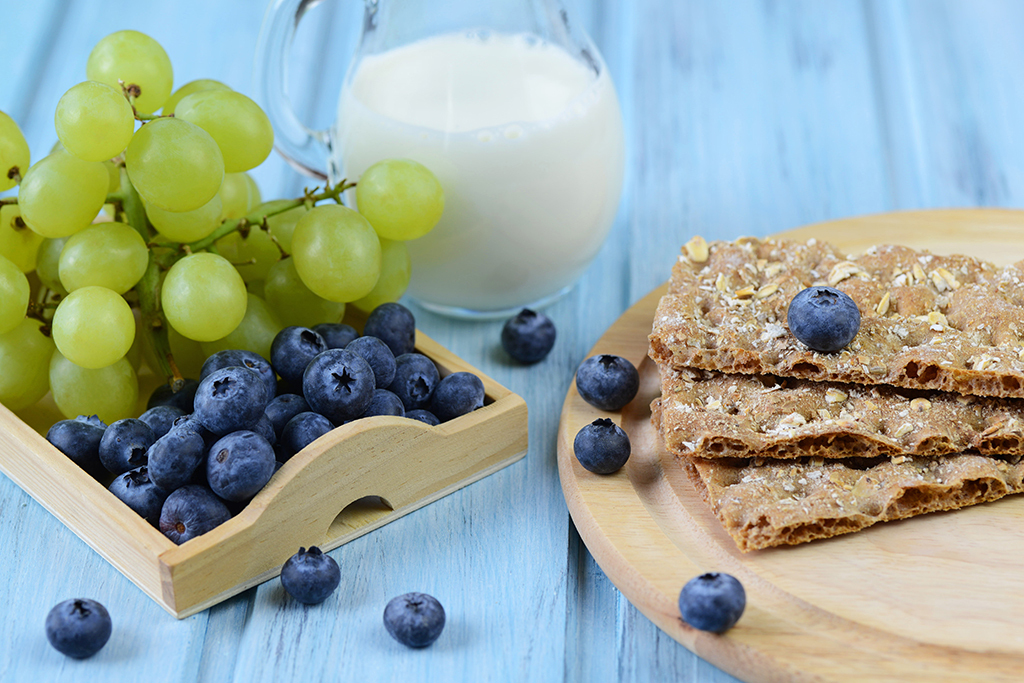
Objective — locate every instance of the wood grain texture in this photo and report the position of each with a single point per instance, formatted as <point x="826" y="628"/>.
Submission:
<point x="913" y="600"/>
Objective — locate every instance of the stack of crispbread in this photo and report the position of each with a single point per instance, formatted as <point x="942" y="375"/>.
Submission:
<point x="922" y="411"/>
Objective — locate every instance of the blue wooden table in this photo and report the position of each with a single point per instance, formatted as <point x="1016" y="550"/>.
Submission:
<point x="741" y="118"/>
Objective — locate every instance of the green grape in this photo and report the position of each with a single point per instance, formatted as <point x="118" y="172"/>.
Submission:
<point x="238" y="194"/>
<point x="401" y="198"/>
<point x="256" y="287"/>
<point x="136" y="60"/>
<point x="336" y="252"/>
<point x="14" y="155"/>
<point x="282" y="225"/>
<point x="186" y="226"/>
<point x="111" y="392"/>
<point x="93" y="327"/>
<point x="203" y="297"/>
<point x="48" y="264"/>
<point x="395" y="270"/>
<point x="61" y="194"/>
<point x="114" y="172"/>
<point x="255" y="333"/>
<point x="24" y="365"/>
<point x="134" y="354"/>
<point x="94" y="121"/>
<point x="189" y="88"/>
<point x="291" y="301"/>
<point x="257" y="252"/>
<point x="174" y="165"/>
<point x="14" y="293"/>
<point x="17" y="242"/>
<point x="188" y="354"/>
<point x="111" y="255"/>
<point x="239" y="126"/>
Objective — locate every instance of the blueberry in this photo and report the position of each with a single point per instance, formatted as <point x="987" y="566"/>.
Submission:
<point x="336" y="335"/>
<point x="416" y="377"/>
<point x="310" y="576"/>
<point x="394" y="325"/>
<point x="601" y="447"/>
<point x="457" y="394"/>
<point x="424" y="416"/>
<point x="174" y="458"/>
<point x="339" y="385"/>
<point x="124" y="445"/>
<point x="93" y="420"/>
<point x="243" y="359"/>
<point x="302" y="430"/>
<point x="607" y="382"/>
<point x="712" y="602"/>
<point x="414" y="619"/>
<point x="136" y="490"/>
<point x="78" y="440"/>
<point x="284" y="408"/>
<point x="528" y="336"/>
<point x="231" y="399"/>
<point x="79" y="627"/>
<point x="161" y="418"/>
<point x="823" y="318"/>
<point x="182" y="399"/>
<point x="239" y="465"/>
<point x="265" y="428"/>
<point x="292" y="350"/>
<point x="379" y="356"/>
<point x="191" y="511"/>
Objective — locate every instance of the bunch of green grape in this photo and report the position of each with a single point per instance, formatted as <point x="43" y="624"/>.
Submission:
<point x="140" y="238"/>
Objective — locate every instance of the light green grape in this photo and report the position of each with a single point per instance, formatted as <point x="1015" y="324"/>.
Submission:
<point x="238" y="194"/>
<point x="255" y="333"/>
<point x="14" y="293"/>
<point x="291" y="301"/>
<point x="188" y="354"/>
<point x="253" y="256"/>
<point x="189" y="88"/>
<point x="24" y="365"/>
<point x="256" y="287"/>
<point x="239" y="126"/>
<point x="93" y="327"/>
<point x="17" y="241"/>
<point x="134" y="354"/>
<point x="203" y="297"/>
<point x="401" y="198"/>
<point x="110" y="392"/>
<point x="114" y="174"/>
<point x="136" y="60"/>
<point x="174" y="165"/>
<point x="48" y="264"/>
<point x="186" y="226"/>
<point x="336" y="252"/>
<point x="62" y="194"/>
<point x="282" y="225"/>
<point x="14" y="155"/>
<point x="395" y="270"/>
<point x="94" y="121"/>
<point x="111" y="255"/>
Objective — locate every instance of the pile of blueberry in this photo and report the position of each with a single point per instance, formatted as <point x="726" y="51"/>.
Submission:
<point x="198" y="455"/>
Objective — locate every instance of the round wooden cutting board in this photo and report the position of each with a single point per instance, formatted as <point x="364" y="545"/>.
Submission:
<point x="933" y="598"/>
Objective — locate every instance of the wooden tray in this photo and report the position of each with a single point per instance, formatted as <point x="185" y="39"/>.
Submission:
<point x="928" y="599"/>
<point x="350" y="481"/>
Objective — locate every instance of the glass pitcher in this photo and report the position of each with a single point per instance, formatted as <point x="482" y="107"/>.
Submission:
<point x="511" y="107"/>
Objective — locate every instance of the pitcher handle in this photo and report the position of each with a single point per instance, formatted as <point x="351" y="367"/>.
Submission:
<point x="307" y="150"/>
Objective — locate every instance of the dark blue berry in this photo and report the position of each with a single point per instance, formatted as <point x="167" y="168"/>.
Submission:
<point x="124" y="445"/>
<point x="79" y="627"/>
<point x="424" y="416"/>
<point x="80" y="441"/>
<point x="174" y="458"/>
<point x="191" y="511"/>
<point x="181" y="399"/>
<point x="239" y="465"/>
<point x="528" y="337"/>
<point x="712" y="602"/>
<point x="339" y="385"/>
<point x="161" y="418"/>
<point x="310" y="576"/>
<point x="336" y="335"/>
<point x="384" y="403"/>
<point x="284" y="408"/>
<point x="93" y="420"/>
<point x="416" y="377"/>
<point x="231" y="399"/>
<point x="394" y="325"/>
<point x="601" y="447"/>
<point x="136" y="490"/>
<point x="823" y="318"/>
<point x="292" y="350"/>
<point x="607" y="382"/>
<point x="457" y="394"/>
<point x="414" y="619"/>
<point x="244" y="359"/>
<point x="265" y="428"/>
<point x="302" y="430"/>
<point x="379" y="356"/>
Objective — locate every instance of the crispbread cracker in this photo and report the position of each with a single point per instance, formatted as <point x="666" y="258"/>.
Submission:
<point x="951" y="323"/>
<point x="709" y="414"/>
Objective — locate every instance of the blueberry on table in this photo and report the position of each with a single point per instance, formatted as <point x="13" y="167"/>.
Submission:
<point x="712" y="602"/>
<point x="163" y="395"/>
<point x="79" y="627"/>
<point x="284" y="408"/>
<point x="414" y="619"/>
<point x="416" y="377"/>
<point x="124" y="445"/>
<point x="292" y="350"/>
<point x="528" y="336"/>
<point x="310" y="576"/>
<point x="457" y="394"/>
<point x="424" y="416"/>
<point x="384" y="403"/>
<point x="239" y="465"/>
<point x="336" y="335"/>
<point x="825" y="319"/>
<point x="161" y="418"/>
<point x="301" y="430"/>
<point x="607" y="382"/>
<point x="601" y="447"/>
<point x="379" y="356"/>
<point x="78" y="440"/>
<point x="231" y="399"/>
<point x="339" y="385"/>
<point x="393" y="324"/>
<point x="245" y="359"/>
<point x="191" y="511"/>
<point x="136" y="490"/>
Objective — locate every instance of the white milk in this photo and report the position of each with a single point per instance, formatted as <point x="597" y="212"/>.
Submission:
<point x="527" y="143"/>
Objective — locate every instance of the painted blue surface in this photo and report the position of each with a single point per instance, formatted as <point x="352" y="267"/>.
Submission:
<point x="742" y="118"/>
